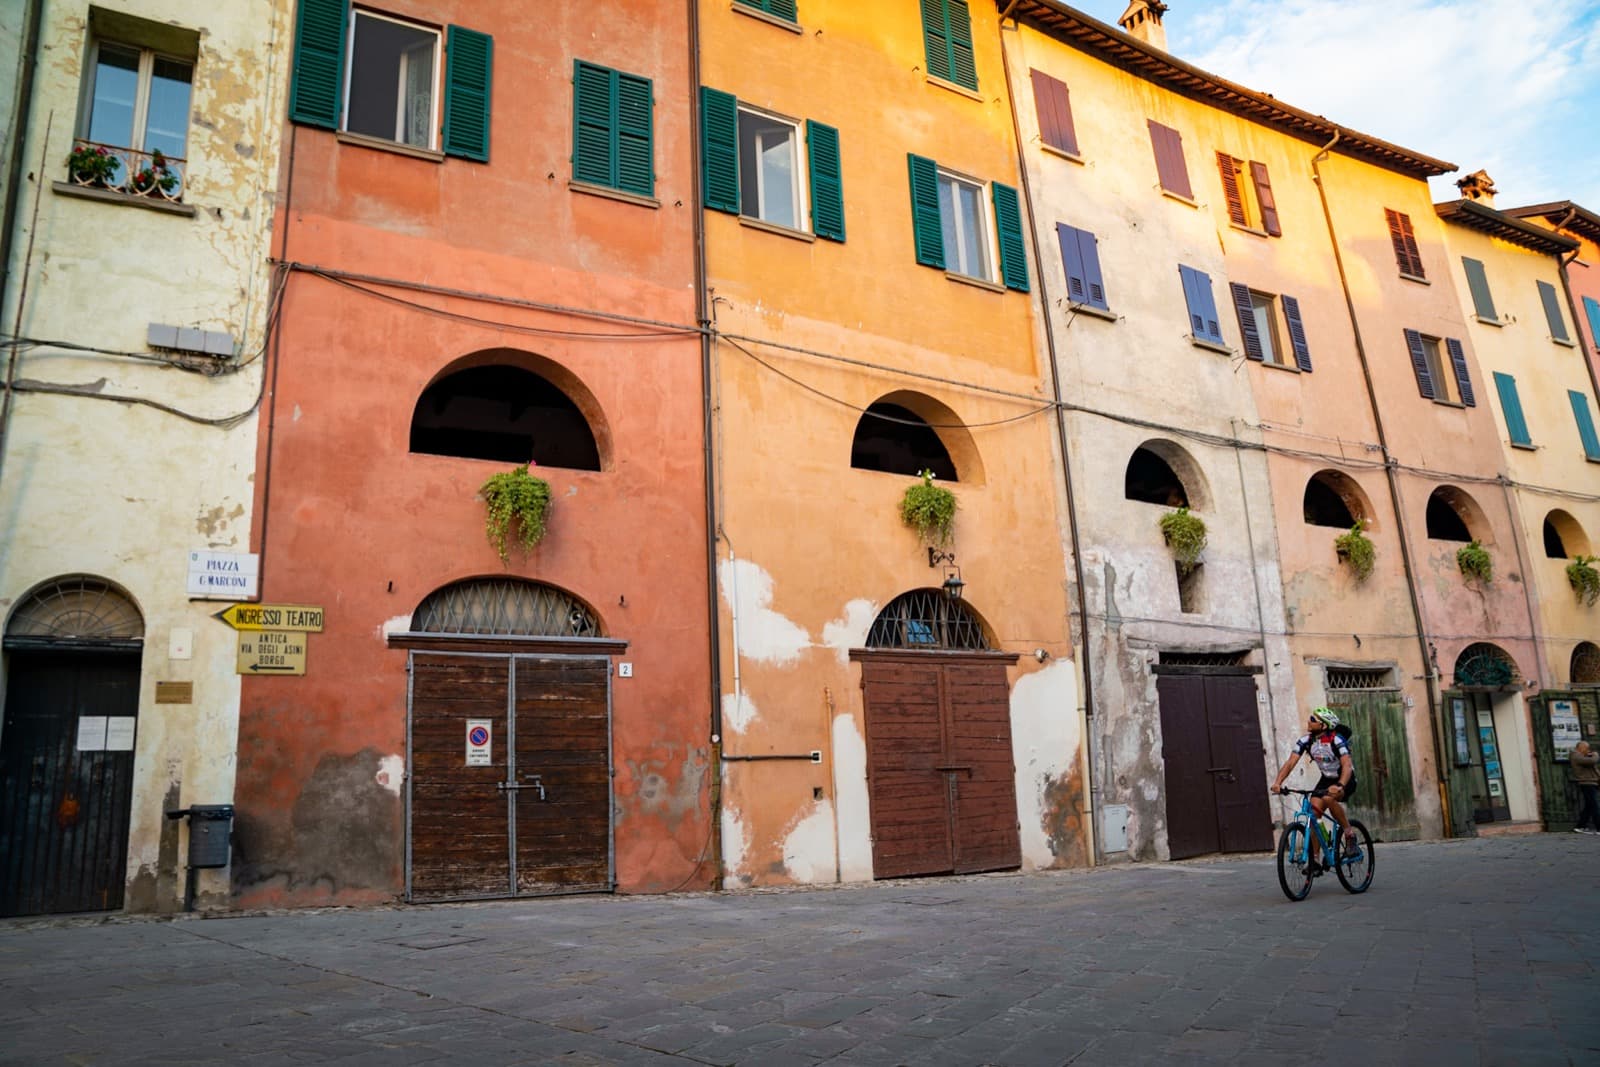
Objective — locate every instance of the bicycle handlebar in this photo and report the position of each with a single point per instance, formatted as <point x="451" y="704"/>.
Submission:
<point x="1285" y="791"/>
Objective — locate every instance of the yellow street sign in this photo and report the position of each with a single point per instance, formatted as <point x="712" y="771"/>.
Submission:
<point x="303" y="617"/>
<point x="272" y="652"/>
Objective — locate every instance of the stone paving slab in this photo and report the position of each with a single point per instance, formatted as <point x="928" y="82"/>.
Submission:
<point x="1465" y="952"/>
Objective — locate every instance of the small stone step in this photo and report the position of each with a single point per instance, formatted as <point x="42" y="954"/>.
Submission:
<point x="1503" y="829"/>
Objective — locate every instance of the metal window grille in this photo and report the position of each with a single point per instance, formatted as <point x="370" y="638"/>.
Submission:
<point x="927" y="619"/>
<point x="77" y="608"/>
<point x="1360" y="678"/>
<point x="1586" y="664"/>
<point x="1486" y="665"/>
<point x="1204" y="659"/>
<point x="504" y="607"/>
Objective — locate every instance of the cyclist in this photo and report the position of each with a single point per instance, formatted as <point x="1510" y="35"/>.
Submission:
<point x="1325" y="743"/>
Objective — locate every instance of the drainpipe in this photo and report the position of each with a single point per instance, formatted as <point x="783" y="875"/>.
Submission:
<point x="19" y="141"/>
<point x="701" y="318"/>
<point x="1086" y="707"/>
<point x="1393" y="479"/>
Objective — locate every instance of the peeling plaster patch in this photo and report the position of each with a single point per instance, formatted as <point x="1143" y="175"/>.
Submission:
<point x="671" y="793"/>
<point x="764" y="635"/>
<point x="391" y="772"/>
<point x="850" y="794"/>
<point x="1044" y="744"/>
<point x="398" y="625"/>
<point x="738" y="712"/>
<point x="850" y="630"/>
<point x="808" y="848"/>
<point x="734" y="846"/>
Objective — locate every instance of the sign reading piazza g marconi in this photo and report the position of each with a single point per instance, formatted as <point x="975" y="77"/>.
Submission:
<point x="223" y="575"/>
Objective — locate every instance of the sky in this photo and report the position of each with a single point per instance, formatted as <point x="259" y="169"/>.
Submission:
<point x="1507" y="86"/>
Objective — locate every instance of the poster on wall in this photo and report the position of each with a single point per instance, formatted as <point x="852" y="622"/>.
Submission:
<point x="1463" y="748"/>
<point x="1564" y="729"/>
<point x="1495" y="789"/>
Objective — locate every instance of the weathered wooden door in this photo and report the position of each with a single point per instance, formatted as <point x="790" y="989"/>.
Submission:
<point x="1216" y="777"/>
<point x="64" y="794"/>
<point x="1558" y="797"/>
<point x="524" y="807"/>
<point x="940" y="772"/>
<point x="1385" y="800"/>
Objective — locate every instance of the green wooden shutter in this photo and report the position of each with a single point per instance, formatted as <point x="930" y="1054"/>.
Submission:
<point x="936" y="38"/>
<point x="1511" y="408"/>
<point x="635" y="135"/>
<point x="1592" y="309"/>
<point x="1580" y="412"/>
<point x="963" y="69"/>
<point x="594" y="124"/>
<point x="719" y="145"/>
<point x="468" y="75"/>
<point x="926" y="228"/>
<point x="317" y="85"/>
<point x="1552" y="312"/>
<point x="783" y="9"/>
<point x="1478" y="282"/>
<point x="1013" y="250"/>
<point x="827" y="184"/>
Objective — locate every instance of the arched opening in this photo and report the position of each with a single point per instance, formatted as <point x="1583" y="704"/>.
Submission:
<point x="1161" y="472"/>
<point x="502" y="410"/>
<point x="1563" y="537"/>
<point x="505" y="607"/>
<point x="1454" y="516"/>
<point x="896" y="440"/>
<point x="1483" y="665"/>
<point x="1585" y="667"/>
<point x="1332" y="498"/>
<point x="928" y="620"/>
<point x="71" y="719"/>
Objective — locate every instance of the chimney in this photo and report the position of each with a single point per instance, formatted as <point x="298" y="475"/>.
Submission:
<point x="1143" y="21"/>
<point x="1478" y="187"/>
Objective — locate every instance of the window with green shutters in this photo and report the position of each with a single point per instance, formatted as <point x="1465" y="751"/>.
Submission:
<point x="1580" y="412"/>
<point x="951" y="228"/>
<point x="778" y="9"/>
<point x="753" y="161"/>
<point x="947" y="38"/>
<point x="1552" y="314"/>
<point x="1478" y="284"/>
<point x="612" y="127"/>
<point x="1511" y="409"/>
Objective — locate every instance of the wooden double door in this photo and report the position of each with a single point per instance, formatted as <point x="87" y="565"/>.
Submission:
<point x="510" y="788"/>
<point x="941" y="778"/>
<point x="1216" y="773"/>
<point x="1385" y="800"/>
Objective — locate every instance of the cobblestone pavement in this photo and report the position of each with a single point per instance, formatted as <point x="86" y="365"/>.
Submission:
<point x="1466" y="952"/>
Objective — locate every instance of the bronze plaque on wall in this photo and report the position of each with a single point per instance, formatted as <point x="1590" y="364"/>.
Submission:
<point x="174" y="692"/>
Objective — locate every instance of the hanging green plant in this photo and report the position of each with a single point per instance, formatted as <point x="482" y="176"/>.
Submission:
<point x="1474" y="561"/>
<point x="929" y="509"/>
<point x="1584" y="578"/>
<point x="1356" y="549"/>
<point x="1186" y="536"/>
<point x="516" y="496"/>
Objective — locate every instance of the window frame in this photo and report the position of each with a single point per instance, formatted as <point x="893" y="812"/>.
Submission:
<point x="799" y="155"/>
<point x="139" y="121"/>
<point x="436" y="97"/>
<point x="1264" y="306"/>
<point x="989" y="243"/>
<point x="1446" y="390"/>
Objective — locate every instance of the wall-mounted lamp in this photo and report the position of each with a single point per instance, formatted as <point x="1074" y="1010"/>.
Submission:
<point x="953" y="585"/>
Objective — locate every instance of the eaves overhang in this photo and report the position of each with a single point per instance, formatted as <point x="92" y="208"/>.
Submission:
<point x="1564" y="215"/>
<point x="1485" y="219"/>
<point x="1111" y="45"/>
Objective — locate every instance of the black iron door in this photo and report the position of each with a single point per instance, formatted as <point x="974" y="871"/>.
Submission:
<point x="66" y="780"/>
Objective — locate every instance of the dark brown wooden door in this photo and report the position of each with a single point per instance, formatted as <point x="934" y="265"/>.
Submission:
<point x="1186" y="752"/>
<point x="64" y="809"/>
<point x="563" y="769"/>
<point x="940" y="774"/>
<point x="1216" y="775"/>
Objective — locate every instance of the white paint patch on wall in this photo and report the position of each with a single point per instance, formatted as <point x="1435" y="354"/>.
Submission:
<point x="391" y="773"/>
<point x="808" y="853"/>
<point x="398" y="625"/>
<point x="738" y="712"/>
<point x="763" y="635"/>
<point x="850" y="798"/>
<point x="1044" y="745"/>
<point x="850" y="630"/>
<point x="734" y="846"/>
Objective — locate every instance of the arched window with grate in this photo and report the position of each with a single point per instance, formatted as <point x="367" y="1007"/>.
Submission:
<point x="504" y="607"/>
<point x="1486" y="666"/>
<point x="1585" y="668"/>
<point x="78" y="610"/>
<point x="928" y="620"/>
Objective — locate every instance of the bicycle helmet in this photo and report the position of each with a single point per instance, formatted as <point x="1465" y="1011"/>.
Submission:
<point x="1327" y="716"/>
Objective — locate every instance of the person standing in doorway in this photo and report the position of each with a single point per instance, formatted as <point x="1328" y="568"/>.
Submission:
<point x="1585" y="764"/>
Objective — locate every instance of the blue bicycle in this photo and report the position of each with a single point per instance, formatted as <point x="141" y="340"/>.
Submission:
<point x="1295" y="865"/>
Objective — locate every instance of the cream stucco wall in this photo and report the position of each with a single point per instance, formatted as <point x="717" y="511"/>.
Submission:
<point x="120" y="489"/>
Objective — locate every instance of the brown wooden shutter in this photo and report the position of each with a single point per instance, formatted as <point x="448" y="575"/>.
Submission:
<point x="1170" y="165"/>
<point x="1269" y="206"/>
<point x="1458" y="358"/>
<point x="1297" y="332"/>
<point x="1054" y="104"/>
<point x="1419" y="363"/>
<point x="1229" y="167"/>
<point x="1406" y="254"/>
<point x="1247" y="322"/>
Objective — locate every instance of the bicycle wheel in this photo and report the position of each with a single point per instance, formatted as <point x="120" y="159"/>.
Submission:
<point x="1293" y="855"/>
<point x="1355" y="870"/>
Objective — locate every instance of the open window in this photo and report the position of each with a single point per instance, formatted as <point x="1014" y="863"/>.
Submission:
<point x="1333" y="499"/>
<point x="1454" y="516"/>
<point x="1563" y="537"/>
<point x="897" y="440"/>
<point x="505" y="413"/>
<point x="391" y="90"/>
<point x="1160" y="472"/>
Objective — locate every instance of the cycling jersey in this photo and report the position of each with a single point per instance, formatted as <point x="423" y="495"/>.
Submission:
<point x="1325" y="749"/>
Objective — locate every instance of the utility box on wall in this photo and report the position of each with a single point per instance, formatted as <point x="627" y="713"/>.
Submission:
<point x="1114" y="828"/>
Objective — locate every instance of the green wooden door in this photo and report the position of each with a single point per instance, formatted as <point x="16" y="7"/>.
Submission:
<point x="1385" y="800"/>
<point x="1558" y="797"/>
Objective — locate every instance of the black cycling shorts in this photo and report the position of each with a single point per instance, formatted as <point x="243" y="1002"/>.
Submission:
<point x="1349" y="790"/>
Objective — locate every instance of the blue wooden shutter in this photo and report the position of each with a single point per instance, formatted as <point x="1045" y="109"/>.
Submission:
<point x="1478" y="282"/>
<point x="827" y="184"/>
<point x="1511" y="408"/>
<point x="1203" y="323"/>
<point x="925" y="226"/>
<point x="719" y="137"/>
<point x="317" y="85"/>
<point x="1080" y="256"/>
<point x="1297" y="333"/>
<point x="1552" y="312"/>
<point x="963" y="69"/>
<point x="468" y="75"/>
<point x="936" y="38"/>
<point x="1419" y="363"/>
<point x="1247" y="322"/>
<point x="594" y="124"/>
<point x="1458" y="359"/>
<point x="1580" y="411"/>
<point x="635" y="152"/>
<point x="1013" y="249"/>
<point x="1592" y="309"/>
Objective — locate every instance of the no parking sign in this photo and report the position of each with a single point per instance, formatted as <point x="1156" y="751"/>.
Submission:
<point x="480" y="740"/>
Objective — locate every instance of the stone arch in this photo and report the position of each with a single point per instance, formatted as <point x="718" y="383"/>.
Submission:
<point x="502" y="606"/>
<point x="905" y="432"/>
<point x="1163" y="472"/>
<point x="1563" y="537"/>
<point x="75" y="610"/>
<point x="1584" y="668"/>
<point x="1453" y="515"/>
<point x="1333" y="498"/>
<point x="931" y="621"/>
<point x="1483" y="665"/>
